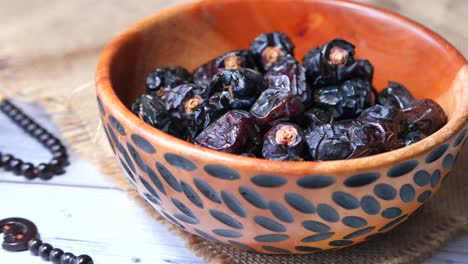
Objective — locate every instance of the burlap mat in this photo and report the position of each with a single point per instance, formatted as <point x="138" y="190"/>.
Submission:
<point x="48" y="52"/>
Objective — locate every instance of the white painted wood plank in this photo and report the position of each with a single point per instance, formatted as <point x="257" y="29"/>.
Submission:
<point x="79" y="173"/>
<point x="14" y="141"/>
<point x="103" y="223"/>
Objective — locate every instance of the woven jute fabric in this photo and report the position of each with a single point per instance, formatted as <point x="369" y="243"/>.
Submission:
<point x="48" y="53"/>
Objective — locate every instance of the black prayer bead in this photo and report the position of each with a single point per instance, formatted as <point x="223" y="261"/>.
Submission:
<point x="33" y="246"/>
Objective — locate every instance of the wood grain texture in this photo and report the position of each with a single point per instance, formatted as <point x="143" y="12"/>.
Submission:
<point x="103" y="223"/>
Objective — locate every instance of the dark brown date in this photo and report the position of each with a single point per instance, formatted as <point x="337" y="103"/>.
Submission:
<point x="315" y="117"/>
<point x="183" y="99"/>
<point x="395" y="94"/>
<point x="267" y="48"/>
<point x="386" y="124"/>
<point x="235" y="132"/>
<point x="232" y="60"/>
<point x="153" y="111"/>
<point x="276" y="105"/>
<point x="288" y="74"/>
<point x="346" y="100"/>
<point x="284" y="141"/>
<point x="344" y="139"/>
<point x="160" y="80"/>
<point x="242" y="86"/>
<point x="207" y="112"/>
<point x="424" y="117"/>
<point x="324" y="63"/>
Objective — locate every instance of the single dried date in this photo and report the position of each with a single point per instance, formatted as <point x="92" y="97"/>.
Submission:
<point x="183" y="99"/>
<point x="387" y="124"/>
<point x="242" y="86"/>
<point x="220" y="101"/>
<point x="288" y="74"/>
<point x="235" y="132"/>
<point x="325" y="64"/>
<point x="424" y="117"/>
<point x="315" y="117"/>
<point x="275" y="105"/>
<point x="267" y="48"/>
<point x="160" y="80"/>
<point x="232" y="60"/>
<point x="360" y="69"/>
<point x="153" y="111"/>
<point x="284" y="141"/>
<point x="346" y="100"/>
<point x="207" y="112"/>
<point x="395" y="94"/>
<point x="344" y="139"/>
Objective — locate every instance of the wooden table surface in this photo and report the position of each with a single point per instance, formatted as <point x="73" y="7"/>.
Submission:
<point x="84" y="213"/>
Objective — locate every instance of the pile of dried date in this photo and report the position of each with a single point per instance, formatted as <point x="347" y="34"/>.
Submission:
<point x="262" y="102"/>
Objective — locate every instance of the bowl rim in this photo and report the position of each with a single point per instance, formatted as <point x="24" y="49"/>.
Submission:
<point x="456" y="123"/>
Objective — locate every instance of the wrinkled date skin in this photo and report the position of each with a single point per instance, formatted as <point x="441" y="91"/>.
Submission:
<point x="315" y="117"/>
<point x="235" y="132"/>
<point x="288" y="74"/>
<point x="324" y="64"/>
<point x="284" y="141"/>
<point x="345" y="101"/>
<point x="344" y="139"/>
<point x="232" y="60"/>
<point x="274" y="105"/>
<point x="207" y="112"/>
<point x="386" y="124"/>
<point x="183" y="99"/>
<point x="424" y="117"/>
<point x="267" y="48"/>
<point x="153" y="111"/>
<point x="395" y="94"/>
<point x="360" y="69"/>
<point x="242" y="86"/>
<point x="160" y="80"/>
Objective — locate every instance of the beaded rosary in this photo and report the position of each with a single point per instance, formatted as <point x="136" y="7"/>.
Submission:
<point x="21" y="234"/>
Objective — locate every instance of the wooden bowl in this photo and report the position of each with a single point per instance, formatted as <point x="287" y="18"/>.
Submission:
<point x="281" y="207"/>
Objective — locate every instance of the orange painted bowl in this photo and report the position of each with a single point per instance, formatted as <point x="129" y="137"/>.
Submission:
<point x="269" y="206"/>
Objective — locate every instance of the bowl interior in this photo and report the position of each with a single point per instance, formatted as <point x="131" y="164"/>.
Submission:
<point x="400" y="50"/>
